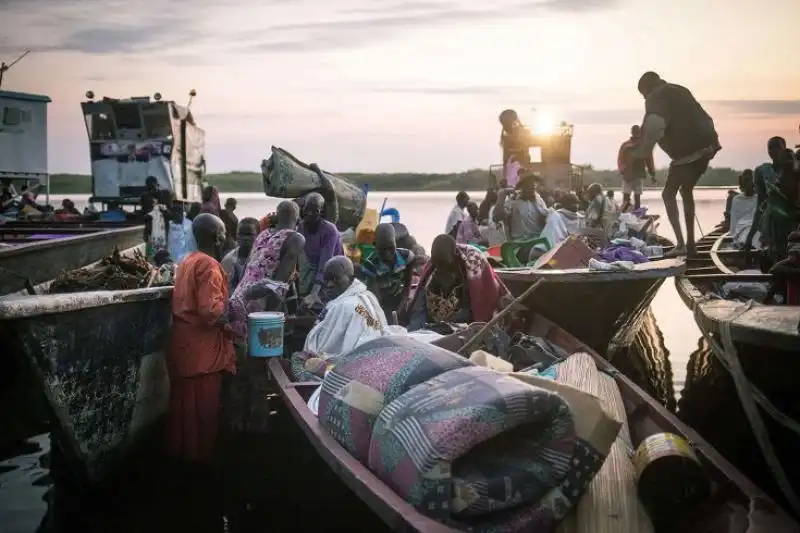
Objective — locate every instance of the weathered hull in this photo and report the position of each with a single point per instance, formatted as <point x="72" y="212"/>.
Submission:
<point x="600" y="308"/>
<point x="99" y="360"/>
<point x="285" y="176"/>
<point x="766" y="341"/>
<point x="42" y="261"/>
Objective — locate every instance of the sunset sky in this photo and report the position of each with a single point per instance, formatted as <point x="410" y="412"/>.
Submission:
<point x="416" y="85"/>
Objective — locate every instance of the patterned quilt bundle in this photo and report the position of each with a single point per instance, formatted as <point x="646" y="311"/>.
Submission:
<point x="474" y="448"/>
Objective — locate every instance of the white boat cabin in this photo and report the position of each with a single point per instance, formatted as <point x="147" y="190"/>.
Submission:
<point x="132" y="139"/>
<point x="23" y="138"/>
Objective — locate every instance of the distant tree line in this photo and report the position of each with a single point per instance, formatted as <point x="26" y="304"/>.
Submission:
<point x="471" y="180"/>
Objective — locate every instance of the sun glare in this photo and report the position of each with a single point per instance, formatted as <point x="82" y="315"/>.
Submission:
<point x="544" y="123"/>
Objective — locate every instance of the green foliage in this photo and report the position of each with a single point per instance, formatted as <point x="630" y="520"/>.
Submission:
<point x="471" y="180"/>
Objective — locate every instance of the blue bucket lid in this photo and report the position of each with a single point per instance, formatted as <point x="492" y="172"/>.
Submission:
<point x="268" y="315"/>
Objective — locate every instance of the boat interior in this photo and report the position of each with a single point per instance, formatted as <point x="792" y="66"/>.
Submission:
<point x="735" y="504"/>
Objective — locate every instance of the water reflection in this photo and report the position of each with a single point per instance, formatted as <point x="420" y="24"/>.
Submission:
<point x="646" y="362"/>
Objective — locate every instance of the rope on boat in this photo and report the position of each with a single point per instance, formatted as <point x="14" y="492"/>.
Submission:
<point x="727" y="354"/>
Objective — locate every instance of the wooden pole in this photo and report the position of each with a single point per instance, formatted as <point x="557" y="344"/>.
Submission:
<point x="498" y="317"/>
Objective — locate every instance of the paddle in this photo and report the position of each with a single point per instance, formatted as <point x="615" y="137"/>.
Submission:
<point x="498" y="317"/>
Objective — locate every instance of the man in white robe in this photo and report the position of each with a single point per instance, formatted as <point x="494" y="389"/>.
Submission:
<point x="353" y="317"/>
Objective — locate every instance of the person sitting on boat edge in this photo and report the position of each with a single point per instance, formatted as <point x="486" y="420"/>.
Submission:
<point x="322" y="242"/>
<point x="235" y="261"/>
<point x="561" y="223"/>
<point x="457" y="285"/>
<point x="787" y="271"/>
<point x="525" y="212"/>
<point x="201" y="347"/>
<point x="352" y="316"/>
<point x="387" y="270"/>
<point x="271" y="266"/>
<point x="743" y="209"/>
<point x="468" y="231"/>
<point x="456" y="214"/>
<point x="778" y="213"/>
<point x="686" y="133"/>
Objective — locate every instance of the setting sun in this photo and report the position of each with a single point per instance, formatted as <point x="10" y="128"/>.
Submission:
<point x="544" y="123"/>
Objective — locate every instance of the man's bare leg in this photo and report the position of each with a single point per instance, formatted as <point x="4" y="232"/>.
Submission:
<point x="689" y="214"/>
<point x="669" y="195"/>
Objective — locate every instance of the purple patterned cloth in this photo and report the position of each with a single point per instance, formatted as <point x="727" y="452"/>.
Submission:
<point x="621" y="253"/>
<point x="483" y="452"/>
<point x="363" y="381"/>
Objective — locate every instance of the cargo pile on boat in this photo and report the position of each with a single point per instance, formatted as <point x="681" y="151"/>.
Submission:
<point x="112" y="273"/>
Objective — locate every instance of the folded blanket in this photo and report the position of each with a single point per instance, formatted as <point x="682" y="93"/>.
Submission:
<point x="491" y="453"/>
<point x="471" y="441"/>
<point x="363" y="381"/>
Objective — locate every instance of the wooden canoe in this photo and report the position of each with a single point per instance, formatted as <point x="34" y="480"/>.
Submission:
<point x="39" y="261"/>
<point x="765" y="341"/>
<point x="601" y="307"/>
<point x="98" y="359"/>
<point x="733" y="494"/>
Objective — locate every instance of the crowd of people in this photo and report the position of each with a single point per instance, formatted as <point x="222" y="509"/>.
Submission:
<point x="293" y="261"/>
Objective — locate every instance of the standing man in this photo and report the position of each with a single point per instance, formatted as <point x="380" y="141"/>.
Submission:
<point x="456" y="214"/>
<point x="235" y="261"/>
<point x="231" y="222"/>
<point x="322" y="242"/>
<point x="633" y="170"/>
<point x="201" y="347"/>
<point x="678" y="123"/>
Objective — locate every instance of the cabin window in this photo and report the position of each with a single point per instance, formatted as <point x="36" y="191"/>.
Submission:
<point x="157" y="124"/>
<point x="100" y="127"/>
<point x="128" y="117"/>
<point x="15" y="116"/>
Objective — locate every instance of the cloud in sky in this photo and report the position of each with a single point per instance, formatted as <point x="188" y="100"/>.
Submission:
<point x="396" y="84"/>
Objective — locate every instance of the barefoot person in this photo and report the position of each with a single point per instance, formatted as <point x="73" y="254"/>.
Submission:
<point x="682" y="128"/>
<point x="201" y="347"/>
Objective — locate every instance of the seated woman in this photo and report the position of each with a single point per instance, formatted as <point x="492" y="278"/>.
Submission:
<point x="601" y="212"/>
<point x="561" y="223"/>
<point x="457" y="285"/>
<point x="468" y="231"/>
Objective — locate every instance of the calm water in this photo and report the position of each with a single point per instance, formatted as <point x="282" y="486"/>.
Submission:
<point x="283" y="495"/>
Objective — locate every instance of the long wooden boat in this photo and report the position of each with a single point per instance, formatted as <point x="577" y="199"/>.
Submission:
<point x="602" y="307"/>
<point x="30" y="256"/>
<point x="746" y="342"/>
<point x="98" y="358"/>
<point x="734" y="502"/>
